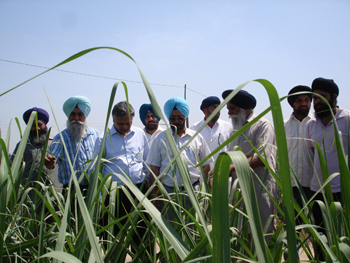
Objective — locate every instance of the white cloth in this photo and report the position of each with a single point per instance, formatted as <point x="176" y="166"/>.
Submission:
<point x="261" y="134"/>
<point x="214" y="136"/>
<point x="300" y="155"/>
<point x="161" y="156"/>
<point x="150" y="137"/>
<point x="317" y="132"/>
<point x="127" y="154"/>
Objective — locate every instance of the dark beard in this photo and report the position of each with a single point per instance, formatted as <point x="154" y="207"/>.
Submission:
<point x="179" y="127"/>
<point x="151" y="126"/>
<point x="34" y="139"/>
<point x="322" y="110"/>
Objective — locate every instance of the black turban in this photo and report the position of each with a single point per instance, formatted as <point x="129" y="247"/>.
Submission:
<point x="242" y="99"/>
<point x="42" y="115"/>
<point x="327" y="85"/>
<point x="207" y="102"/>
<point x="292" y="99"/>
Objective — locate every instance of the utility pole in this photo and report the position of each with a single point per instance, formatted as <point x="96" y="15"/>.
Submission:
<point x="187" y="125"/>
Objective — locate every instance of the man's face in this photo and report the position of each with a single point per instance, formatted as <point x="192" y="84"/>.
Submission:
<point x="151" y="121"/>
<point x="302" y="105"/>
<point x="232" y="109"/>
<point x="122" y="124"/>
<point x="321" y="108"/>
<point x="208" y="111"/>
<point x="77" y="115"/>
<point x="177" y="119"/>
<point x="41" y="128"/>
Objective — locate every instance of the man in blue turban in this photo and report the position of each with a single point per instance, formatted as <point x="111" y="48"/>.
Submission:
<point x="150" y="120"/>
<point x="79" y="140"/>
<point x="34" y="150"/>
<point x="262" y="136"/>
<point x="216" y="131"/>
<point x="177" y="110"/>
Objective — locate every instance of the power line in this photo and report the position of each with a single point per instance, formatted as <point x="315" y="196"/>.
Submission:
<point x="96" y="76"/>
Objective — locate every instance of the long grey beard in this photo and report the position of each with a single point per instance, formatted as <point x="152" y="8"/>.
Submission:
<point x="238" y="122"/>
<point x="76" y="129"/>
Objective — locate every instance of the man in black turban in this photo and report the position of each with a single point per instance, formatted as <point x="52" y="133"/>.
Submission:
<point x="34" y="150"/>
<point x="262" y="136"/>
<point x="299" y="155"/>
<point x="320" y="130"/>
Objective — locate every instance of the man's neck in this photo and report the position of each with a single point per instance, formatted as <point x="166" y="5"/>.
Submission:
<point x="180" y="134"/>
<point x="211" y="123"/>
<point x="300" y="117"/>
<point x="150" y="131"/>
<point x="327" y="119"/>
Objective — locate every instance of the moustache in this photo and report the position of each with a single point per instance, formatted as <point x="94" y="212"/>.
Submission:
<point x="77" y="122"/>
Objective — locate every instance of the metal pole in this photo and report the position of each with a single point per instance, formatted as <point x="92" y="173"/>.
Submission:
<point x="187" y="125"/>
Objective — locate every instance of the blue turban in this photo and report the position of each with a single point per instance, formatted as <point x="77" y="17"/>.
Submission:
<point x="207" y="102"/>
<point x="242" y="99"/>
<point x="42" y="115"/>
<point x="144" y="109"/>
<point x="81" y="102"/>
<point x="178" y="103"/>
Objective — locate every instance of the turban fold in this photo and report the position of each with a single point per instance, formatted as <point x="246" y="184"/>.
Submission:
<point x="144" y="109"/>
<point x="81" y="102"/>
<point x="42" y="115"/>
<point x="207" y="102"/>
<point x="292" y="99"/>
<point x="178" y="103"/>
<point x="327" y="85"/>
<point x="242" y="99"/>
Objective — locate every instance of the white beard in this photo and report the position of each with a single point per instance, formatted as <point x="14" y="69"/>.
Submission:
<point x="238" y="121"/>
<point x="76" y="129"/>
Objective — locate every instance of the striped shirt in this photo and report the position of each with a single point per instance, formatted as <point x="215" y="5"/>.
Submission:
<point x="77" y="156"/>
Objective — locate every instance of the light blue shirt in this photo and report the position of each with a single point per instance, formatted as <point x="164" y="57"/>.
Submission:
<point x="79" y="153"/>
<point x="125" y="154"/>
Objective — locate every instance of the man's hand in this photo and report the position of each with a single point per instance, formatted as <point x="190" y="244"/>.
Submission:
<point x="50" y="161"/>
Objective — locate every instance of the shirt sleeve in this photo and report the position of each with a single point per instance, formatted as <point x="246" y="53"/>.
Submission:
<point x="308" y="142"/>
<point x="154" y="154"/>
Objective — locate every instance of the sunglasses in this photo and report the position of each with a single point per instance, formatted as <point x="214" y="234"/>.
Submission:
<point x="179" y="118"/>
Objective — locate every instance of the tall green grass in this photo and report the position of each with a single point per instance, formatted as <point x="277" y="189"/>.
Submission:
<point x="214" y="234"/>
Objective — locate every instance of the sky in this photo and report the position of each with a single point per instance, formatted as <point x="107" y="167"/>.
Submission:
<point x="209" y="46"/>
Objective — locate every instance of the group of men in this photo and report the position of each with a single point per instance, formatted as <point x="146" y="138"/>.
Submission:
<point x="131" y="150"/>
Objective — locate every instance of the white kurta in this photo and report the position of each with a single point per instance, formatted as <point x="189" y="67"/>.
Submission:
<point x="214" y="136"/>
<point x="299" y="155"/>
<point x="261" y="134"/>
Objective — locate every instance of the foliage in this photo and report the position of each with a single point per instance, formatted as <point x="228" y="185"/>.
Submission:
<point x="215" y="229"/>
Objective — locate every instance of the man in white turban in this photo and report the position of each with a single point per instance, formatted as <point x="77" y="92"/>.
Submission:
<point x="78" y="139"/>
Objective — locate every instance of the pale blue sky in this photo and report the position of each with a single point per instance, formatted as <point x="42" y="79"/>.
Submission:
<point x="210" y="46"/>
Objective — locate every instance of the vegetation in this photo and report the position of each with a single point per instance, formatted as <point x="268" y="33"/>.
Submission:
<point x="208" y="232"/>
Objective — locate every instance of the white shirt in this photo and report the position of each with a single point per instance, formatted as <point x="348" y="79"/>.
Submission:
<point x="151" y="137"/>
<point x="161" y="156"/>
<point x="299" y="155"/>
<point x="214" y="136"/>
<point x="317" y="132"/>
<point x="125" y="154"/>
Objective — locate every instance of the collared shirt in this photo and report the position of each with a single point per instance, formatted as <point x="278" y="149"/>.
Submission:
<point x="161" y="155"/>
<point x="78" y="156"/>
<point x="317" y="132"/>
<point x="125" y="155"/>
<point x="150" y="137"/>
<point x="299" y="155"/>
<point x="214" y="136"/>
